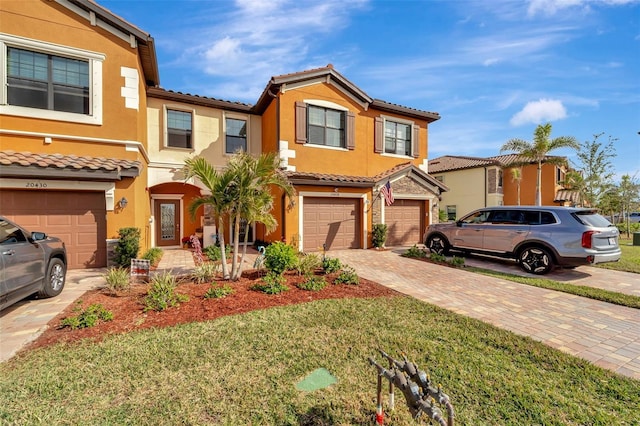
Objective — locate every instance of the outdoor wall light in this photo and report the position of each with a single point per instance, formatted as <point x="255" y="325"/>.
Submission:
<point x="123" y="203"/>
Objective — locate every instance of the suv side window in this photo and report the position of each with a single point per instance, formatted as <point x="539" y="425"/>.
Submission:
<point x="508" y="217"/>
<point x="10" y="234"/>
<point x="547" y="218"/>
<point x="477" y="217"/>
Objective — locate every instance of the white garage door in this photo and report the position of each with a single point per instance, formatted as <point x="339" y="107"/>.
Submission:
<point x="332" y="222"/>
<point x="77" y="218"/>
<point x="404" y="222"/>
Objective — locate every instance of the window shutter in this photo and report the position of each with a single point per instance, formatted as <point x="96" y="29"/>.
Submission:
<point x="415" y="142"/>
<point x="301" y="122"/>
<point x="378" y="144"/>
<point x="351" y="130"/>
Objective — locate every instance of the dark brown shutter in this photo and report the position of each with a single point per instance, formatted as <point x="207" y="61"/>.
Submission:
<point x="301" y="122"/>
<point x="415" y="142"/>
<point x="378" y="131"/>
<point x="351" y="130"/>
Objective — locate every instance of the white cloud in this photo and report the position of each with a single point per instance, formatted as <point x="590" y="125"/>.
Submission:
<point x="551" y="7"/>
<point x="540" y="111"/>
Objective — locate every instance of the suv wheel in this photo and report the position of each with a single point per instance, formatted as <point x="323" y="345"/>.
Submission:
<point x="54" y="280"/>
<point x="535" y="260"/>
<point x="438" y="244"/>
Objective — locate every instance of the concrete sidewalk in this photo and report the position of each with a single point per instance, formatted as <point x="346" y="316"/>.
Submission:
<point x="602" y="333"/>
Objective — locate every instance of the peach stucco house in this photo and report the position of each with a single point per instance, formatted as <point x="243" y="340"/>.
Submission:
<point x="90" y="142"/>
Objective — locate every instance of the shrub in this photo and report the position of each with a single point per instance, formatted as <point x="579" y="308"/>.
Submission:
<point x="415" y="252"/>
<point x="117" y="279"/>
<point x="457" y="261"/>
<point x="127" y="247"/>
<point x="279" y="257"/>
<point x="218" y="292"/>
<point x="272" y="284"/>
<point x="162" y="294"/>
<point x="379" y="234"/>
<point x="440" y="258"/>
<point x="307" y="263"/>
<point x="313" y="283"/>
<point x="214" y="253"/>
<point x="331" y="265"/>
<point x="87" y="318"/>
<point x="205" y="272"/>
<point x="153" y="255"/>
<point x="347" y="276"/>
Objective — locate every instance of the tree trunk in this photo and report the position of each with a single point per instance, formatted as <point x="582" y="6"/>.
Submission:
<point x="236" y="247"/>
<point x="223" y="255"/>
<point x="539" y="185"/>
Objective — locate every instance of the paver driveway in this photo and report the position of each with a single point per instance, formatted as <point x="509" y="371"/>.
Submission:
<point x="602" y="333"/>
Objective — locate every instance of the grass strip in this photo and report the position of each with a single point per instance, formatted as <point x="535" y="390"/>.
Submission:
<point x="243" y="369"/>
<point x="621" y="299"/>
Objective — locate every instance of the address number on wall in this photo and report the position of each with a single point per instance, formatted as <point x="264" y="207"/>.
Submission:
<point x="36" y="185"/>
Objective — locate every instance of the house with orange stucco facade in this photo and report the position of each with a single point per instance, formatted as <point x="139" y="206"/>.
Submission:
<point x="91" y="143"/>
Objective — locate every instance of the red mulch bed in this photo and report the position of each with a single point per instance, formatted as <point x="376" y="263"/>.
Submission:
<point x="129" y="315"/>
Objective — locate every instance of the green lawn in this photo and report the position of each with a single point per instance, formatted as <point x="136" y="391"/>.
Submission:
<point x="630" y="260"/>
<point x="242" y="370"/>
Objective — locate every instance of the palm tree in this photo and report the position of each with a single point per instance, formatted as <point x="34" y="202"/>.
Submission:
<point x="255" y="177"/>
<point x="516" y="176"/>
<point x="538" y="150"/>
<point x="221" y="198"/>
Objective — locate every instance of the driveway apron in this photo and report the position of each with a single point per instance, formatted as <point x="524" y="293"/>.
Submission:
<point x="605" y="334"/>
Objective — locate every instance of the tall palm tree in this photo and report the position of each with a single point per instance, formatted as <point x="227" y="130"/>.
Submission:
<point x="538" y="150"/>
<point x="221" y="198"/>
<point x="255" y="177"/>
<point x="516" y="176"/>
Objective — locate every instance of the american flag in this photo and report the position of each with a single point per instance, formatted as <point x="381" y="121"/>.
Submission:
<point x="387" y="193"/>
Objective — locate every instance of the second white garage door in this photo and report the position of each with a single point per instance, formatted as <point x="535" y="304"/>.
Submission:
<point x="331" y="222"/>
<point x="404" y="222"/>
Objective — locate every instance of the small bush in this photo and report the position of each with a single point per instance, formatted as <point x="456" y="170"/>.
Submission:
<point x="153" y="255"/>
<point x="272" y="284"/>
<point x="457" y="261"/>
<point x="90" y="317"/>
<point x="415" y="252"/>
<point x="379" y="235"/>
<point x="440" y="258"/>
<point x="205" y="272"/>
<point x="347" y="276"/>
<point x="279" y="257"/>
<point x="307" y="263"/>
<point x="117" y="279"/>
<point x="127" y="247"/>
<point x="162" y="294"/>
<point x="214" y="253"/>
<point x="313" y="283"/>
<point x="218" y="292"/>
<point x="331" y="265"/>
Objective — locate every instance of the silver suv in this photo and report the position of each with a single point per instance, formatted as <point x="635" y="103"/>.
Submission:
<point x="539" y="238"/>
<point x="30" y="262"/>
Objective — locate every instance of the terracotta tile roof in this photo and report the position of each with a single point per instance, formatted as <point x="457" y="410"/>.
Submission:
<point x="510" y="159"/>
<point x="392" y="171"/>
<point x="451" y="162"/>
<point x="160" y="93"/>
<point x="309" y="177"/>
<point x="59" y="162"/>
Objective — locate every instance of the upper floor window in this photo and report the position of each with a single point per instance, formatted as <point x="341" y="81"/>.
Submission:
<point x="559" y="174"/>
<point x="48" y="81"/>
<point x="236" y="135"/>
<point x="179" y="129"/>
<point x="326" y="126"/>
<point x="397" y="138"/>
<point x="39" y="80"/>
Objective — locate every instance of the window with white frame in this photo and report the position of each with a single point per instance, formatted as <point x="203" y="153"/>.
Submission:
<point x="326" y="126"/>
<point x="236" y="135"/>
<point x="397" y="138"/>
<point x="43" y="80"/>
<point x="179" y="129"/>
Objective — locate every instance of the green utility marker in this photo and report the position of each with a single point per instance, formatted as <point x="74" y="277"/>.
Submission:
<point x="317" y="379"/>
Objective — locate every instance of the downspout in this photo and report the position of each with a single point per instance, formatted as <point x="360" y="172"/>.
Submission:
<point x="485" y="187"/>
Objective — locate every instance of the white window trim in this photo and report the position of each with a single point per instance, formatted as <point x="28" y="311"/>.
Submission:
<point x="384" y="128"/>
<point x="325" y="104"/>
<point x="95" y="87"/>
<point x="235" y="116"/>
<point x="165" y="129"/>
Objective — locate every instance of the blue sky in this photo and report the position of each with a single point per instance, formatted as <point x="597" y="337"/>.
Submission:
<point x="492" y="69"/>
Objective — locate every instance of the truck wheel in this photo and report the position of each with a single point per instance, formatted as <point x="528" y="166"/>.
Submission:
<point x="54" y="279"/>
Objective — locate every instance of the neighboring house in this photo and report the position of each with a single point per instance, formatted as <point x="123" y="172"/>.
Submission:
<point x="484" y="182"/>
<point x="73" y="132"/>
<point x="473" y="183"/>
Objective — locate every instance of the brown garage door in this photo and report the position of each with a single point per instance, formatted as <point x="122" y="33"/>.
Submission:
<point x="404" y="222"/>
<point x="77" y="218"/>
<point x="334" y="222"/>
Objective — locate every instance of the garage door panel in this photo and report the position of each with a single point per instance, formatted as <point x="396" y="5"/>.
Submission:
<point x="404" y="222"/>
<point x="77" y="218"/>
<point x="330" y="222"/>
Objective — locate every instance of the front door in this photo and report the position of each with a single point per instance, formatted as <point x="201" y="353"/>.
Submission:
<point x="167" y="215"/>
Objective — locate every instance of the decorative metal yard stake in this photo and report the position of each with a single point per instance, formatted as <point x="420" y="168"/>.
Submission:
<point x="421" y="396"/>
